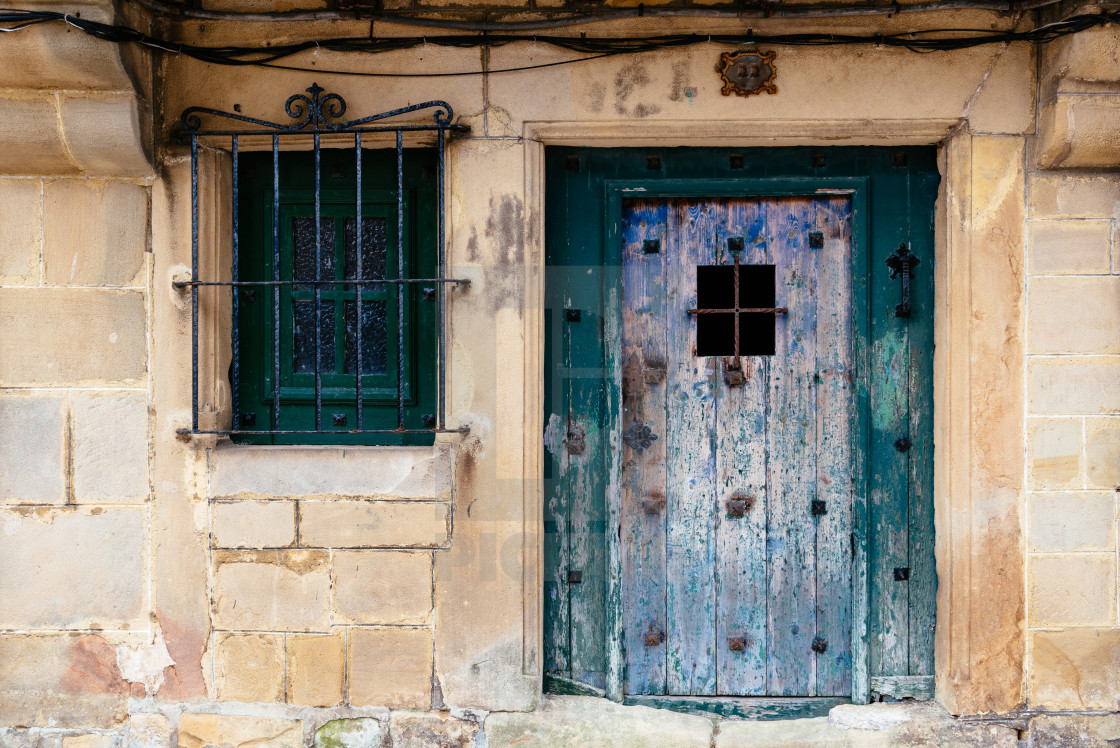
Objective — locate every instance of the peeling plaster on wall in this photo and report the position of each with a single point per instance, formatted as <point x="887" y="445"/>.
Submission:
<point x="145" y="663"/>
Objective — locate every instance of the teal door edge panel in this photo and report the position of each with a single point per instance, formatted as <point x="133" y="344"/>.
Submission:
<point x="894" y="582"/>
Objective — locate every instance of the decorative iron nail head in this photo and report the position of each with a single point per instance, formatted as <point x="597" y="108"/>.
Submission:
<point x="651" y="246"/>
<point x="736" y="507"/>
<point x="428" y="420"/>
<point x="639" y="436"/>
<point x="902" y="574"/>
<point x="736" y="161"/>
<point x="653" y="163"/>
<point x="429" y="294"/>
<point x="654" y="504"/>
<point x="903" y="443"/>
<point x="573" y="315"/>
<point x="575" y="576"/>
<point x="900" y="158"/>
<point x="818" y="507"/>
<point x="816" y="240"/>
<point x="571" y="163"/>
<point x="338" y="419"/>
<point x="576" y="439"/>
<point x="248" y="295"/>
<point x="248" y="419"/>
<point x="735" y="244"/>
<point x="820" y="645"/>
<point x="654" y="635"/>
<point x="737" y="643"/>
<point x="818" y="161"/>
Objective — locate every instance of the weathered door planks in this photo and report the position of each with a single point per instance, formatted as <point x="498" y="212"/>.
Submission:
<point x="893" y="192"/>
<point x="741" y="469"/>
<point x="690" y="463"/>
<point x="791" y="446"/>
<point x="644" y="511"/>
<point x="835" y="412"/>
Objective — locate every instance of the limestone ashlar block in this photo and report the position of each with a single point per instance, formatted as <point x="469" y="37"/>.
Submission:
<point x="110" y="442"/>
<point x="1075" y="195"/>
<point x="1102" y="453"/>
<point x="1072" y="521"/>
<point x="31" y="138"/>
<point x="92" y="740"/>
<point x="316" y="669"/>
<point x="73" y="568"/>
<point x="148" y="731"/>
<point x="399" y="472"/>
<point x="1079" y="247"/>
<point x="390" y="667"/>
<point x="103" y="134"/>
<point x="271" y="590"/>
<point x="253" y="524"/>
<point x="54" y="56"/>
<point x="249" y="667"/>
<point x="95" y="232"/>
<point x="1074" y="315"/>
<point x="61" y="681"/>
<point x="422" y="729"/>
<point x="374" y="524"/>
<point x="32" y="448"/>
<point x="1073" y="590"/>
<point x="1075" y="384"/>
<point x="20" y="231"/>
<point x="1075" y="729"/>
<point x="352" y="732"/>
<point x="1054" y="452"/>
<point x="1078" y="668"/>
<point x="1085" y="62"/>
<point x="382" y="587"/>
<point x="202" y="730"/>
<point x="1079" y="132"/>
<point x="56" y="336"/>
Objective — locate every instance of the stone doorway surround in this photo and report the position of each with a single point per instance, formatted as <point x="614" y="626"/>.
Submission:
<point x="978" y="368"/>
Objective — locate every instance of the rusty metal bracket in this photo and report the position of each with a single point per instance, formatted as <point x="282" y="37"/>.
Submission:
<point x="739" y="504"/>
<point x="576" y="438"/>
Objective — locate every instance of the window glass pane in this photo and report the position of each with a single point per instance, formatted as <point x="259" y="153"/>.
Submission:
<point x="373" y="336"/>
<point x="303" y="235"/>
<point x="304" y="344"/>
<point x="373" y="248"/>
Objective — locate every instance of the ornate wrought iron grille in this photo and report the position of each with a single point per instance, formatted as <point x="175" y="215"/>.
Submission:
<point x="316" y="115"/>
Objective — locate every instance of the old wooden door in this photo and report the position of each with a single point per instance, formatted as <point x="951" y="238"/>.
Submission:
<point x="760" y="531"/>
<point x="737" y="476"/>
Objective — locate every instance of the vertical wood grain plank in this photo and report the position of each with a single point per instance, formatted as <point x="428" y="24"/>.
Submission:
<point x="587" y="484"/>
<point x="890" y="365"/>
<point x="792" y="455"/>
<point x="834" y="448"/>
<point x="690" y="460"/>
<point x="740" y="424"/>
<point x="923" y="572"/>
<point x="643" y="473"/>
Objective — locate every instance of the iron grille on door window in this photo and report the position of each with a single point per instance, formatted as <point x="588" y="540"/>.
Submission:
<point x="337" y="284"/>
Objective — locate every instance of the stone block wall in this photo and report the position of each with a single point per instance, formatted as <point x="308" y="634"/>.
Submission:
<point x="1073" y="439"/>
<point x="321" y="573"/>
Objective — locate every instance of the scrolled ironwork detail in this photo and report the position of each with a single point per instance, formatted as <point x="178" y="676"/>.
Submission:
<point x="318" y="112"/>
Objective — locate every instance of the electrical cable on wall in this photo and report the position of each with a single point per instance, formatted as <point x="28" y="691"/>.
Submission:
<point x="934" y="40"/>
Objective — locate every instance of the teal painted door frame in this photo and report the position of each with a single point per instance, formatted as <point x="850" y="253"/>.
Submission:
<point x="892" y="204"/>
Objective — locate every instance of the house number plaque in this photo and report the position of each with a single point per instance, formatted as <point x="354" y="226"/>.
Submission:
<point x="747" y="73"/>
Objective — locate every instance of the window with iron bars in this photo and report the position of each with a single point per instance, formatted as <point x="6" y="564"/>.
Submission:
<point x="336" y="289"/>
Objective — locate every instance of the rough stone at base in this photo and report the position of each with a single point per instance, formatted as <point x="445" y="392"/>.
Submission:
<point x="200" y="730"/>
<point x="364" y="732"/>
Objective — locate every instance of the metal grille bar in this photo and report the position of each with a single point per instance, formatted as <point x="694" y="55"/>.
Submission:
<point x="317" y="114"/>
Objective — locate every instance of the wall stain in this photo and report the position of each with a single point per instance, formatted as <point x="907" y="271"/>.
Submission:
<point x="93" y="667"/>
<point x="681" y="82"/>
<point x="627" y="81"/>
<point x="596" y="97"/>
